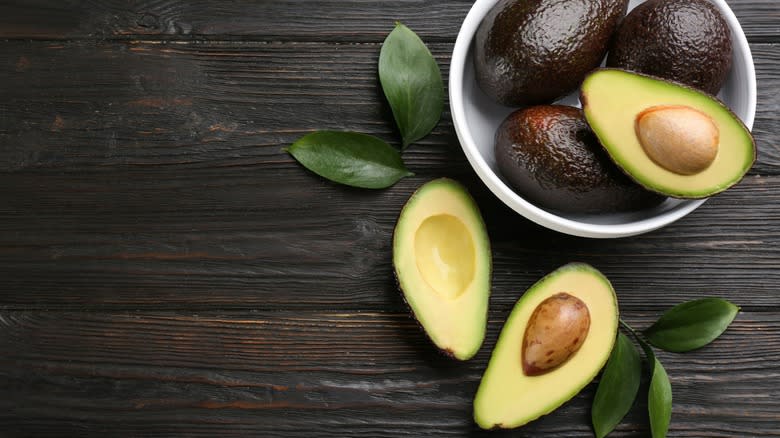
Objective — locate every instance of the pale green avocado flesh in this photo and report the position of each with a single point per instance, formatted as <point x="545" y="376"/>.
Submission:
<point x="612" y="99"/>
<point x="508" y="398"/>
<point x="442" y="260"/>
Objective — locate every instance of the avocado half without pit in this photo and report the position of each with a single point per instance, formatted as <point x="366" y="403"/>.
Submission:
<point x="668" y="137"/>
<point x="554" y="342"/>
<point x="442" y="260"/>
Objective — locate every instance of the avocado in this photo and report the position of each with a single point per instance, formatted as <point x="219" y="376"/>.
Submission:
<point x="668" y="137"/>
<point x="535" y="51"/>
<point x="685" y="41"/>
<point x="442" y="260"/>
<point x="571" y="318"/>
<point x="549" y="156"/>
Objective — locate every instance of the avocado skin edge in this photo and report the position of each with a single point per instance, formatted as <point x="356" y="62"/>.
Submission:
<point x="584" y="101"/>
<point x="550" y="156"/>
<point x="568" y="266"/>
<point x="488" y="247"/>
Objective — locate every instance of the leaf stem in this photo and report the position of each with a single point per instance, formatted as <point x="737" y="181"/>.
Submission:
<point x="628" y="327"/>
<point x="649" y="355"/>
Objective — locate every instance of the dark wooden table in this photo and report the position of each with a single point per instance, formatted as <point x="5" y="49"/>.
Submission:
<point x="166" y="269"/>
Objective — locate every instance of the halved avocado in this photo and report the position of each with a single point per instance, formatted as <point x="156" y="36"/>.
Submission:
<point x="442" y="260"/>
<point x="615" y="101"/>
<point x="511" y="393"/>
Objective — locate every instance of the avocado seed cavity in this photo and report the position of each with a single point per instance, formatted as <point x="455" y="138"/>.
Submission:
<point x="445" y="254"/>
<point x="678" y="138"/>
<point x="556" y="330"/>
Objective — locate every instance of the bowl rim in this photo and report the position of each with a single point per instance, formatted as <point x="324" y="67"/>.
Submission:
<point x="530" y="211"/>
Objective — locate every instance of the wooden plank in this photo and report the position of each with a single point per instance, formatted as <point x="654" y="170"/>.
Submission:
<point x="153" y="175"/>
<point x="121" y="104"/>
<point x="334" y="20"/>
<point x="768" y="79"/>
<point x="138" y="104"/>
<point x="143" y="186"/>
<point x="338" y="20"/>
<point x="282" y="238"/>
<point x="329" y="374"/>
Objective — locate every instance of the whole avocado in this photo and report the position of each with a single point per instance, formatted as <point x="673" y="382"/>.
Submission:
<point x="535" y="51"/>
<point x="687" y="41"/>
<point x="549" y="155"/>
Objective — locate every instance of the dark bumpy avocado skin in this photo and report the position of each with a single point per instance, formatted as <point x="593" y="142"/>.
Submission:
<point x="686" y="41"/>
<point x="535" y="51"/>
<point x="550" y="156"/>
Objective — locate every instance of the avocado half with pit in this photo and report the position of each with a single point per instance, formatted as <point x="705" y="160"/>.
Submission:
<point x="668" y="137"/>
<point x="556" y="339"/>
<point x="442" y="260"/>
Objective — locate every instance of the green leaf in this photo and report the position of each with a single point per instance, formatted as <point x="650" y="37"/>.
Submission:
<point x="412" y="83"/>
<point x="659" y="395"/>
<point x="350" y="158"/>
<point x="618" y="386"/>
<point x="691" y="325"/>
<point x="659" y="400"/>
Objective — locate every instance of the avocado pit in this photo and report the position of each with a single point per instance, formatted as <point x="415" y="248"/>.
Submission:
<point x="556" y="330"/>
<point x="678" y="138"/>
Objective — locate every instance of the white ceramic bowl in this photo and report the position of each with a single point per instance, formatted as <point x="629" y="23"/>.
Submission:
<point x="476" y="118"/>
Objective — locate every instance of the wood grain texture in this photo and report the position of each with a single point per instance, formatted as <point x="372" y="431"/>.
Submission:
<point x="331" y="20"/>
<point x="329" y="374"/>
<point x="156" y="178"/>
<point x="167" y="270"/>
<point x="211" y="238"/>
<point x="216" y="104"/>
<point x="766" y="129"/>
